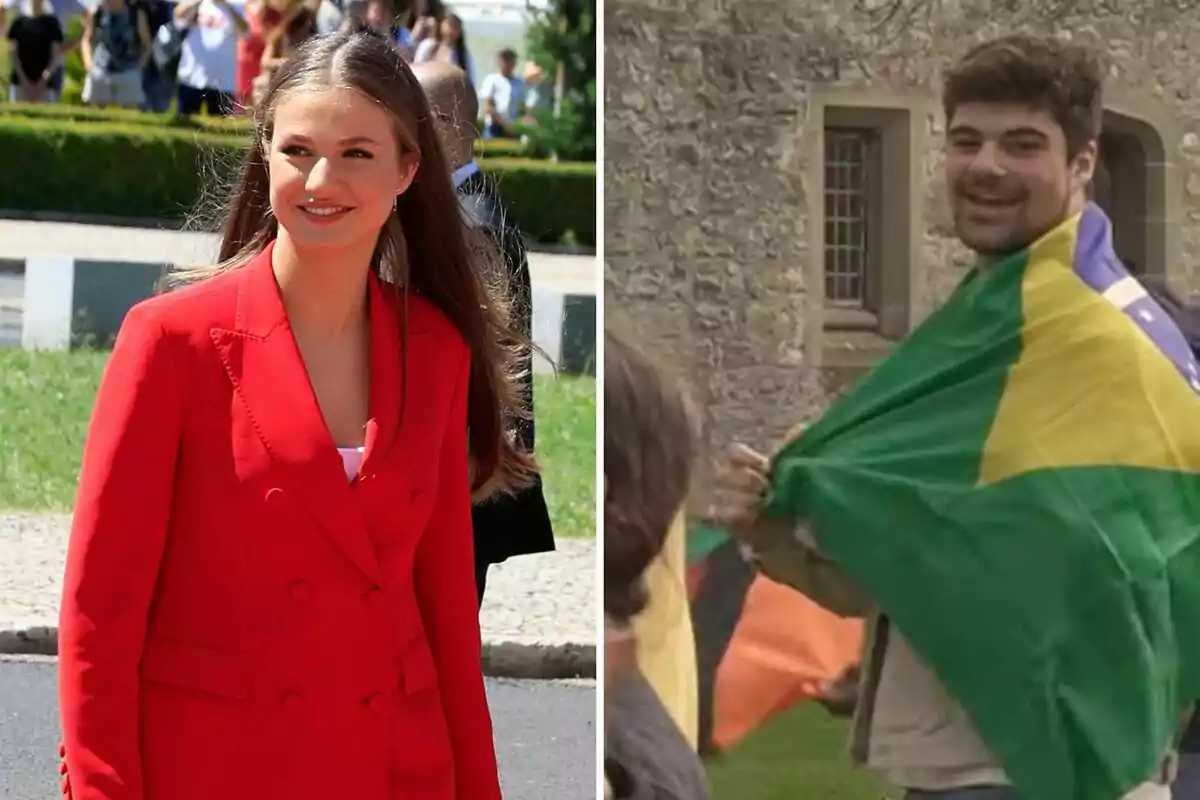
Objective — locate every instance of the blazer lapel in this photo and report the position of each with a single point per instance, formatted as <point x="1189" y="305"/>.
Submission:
<point x="386" y="379"/>
<point x="270" y="378"/>
<point x="400" y="347"/>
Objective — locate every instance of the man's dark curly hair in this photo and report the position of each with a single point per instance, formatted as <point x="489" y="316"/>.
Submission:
<point x="648" y="452"/>
<point x="1039" y="72"/>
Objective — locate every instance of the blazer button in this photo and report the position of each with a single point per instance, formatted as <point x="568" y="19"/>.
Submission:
<point x="274" y="495"/>
<point x="376" y="703"/>
<point x="300" y="591"/>
<point x="62" y="751"/>
<point x="293" y="702"/>
<point x="62" y="768"/>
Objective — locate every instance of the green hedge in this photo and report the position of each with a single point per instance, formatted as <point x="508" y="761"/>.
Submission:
<point x="495" y="148"/>
<point x="135" y="169"/>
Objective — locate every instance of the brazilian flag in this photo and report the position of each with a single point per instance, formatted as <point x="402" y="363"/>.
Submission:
<point x="1018" y="488"/>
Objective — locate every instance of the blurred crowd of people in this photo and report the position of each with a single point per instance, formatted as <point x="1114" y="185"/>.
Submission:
<point x="220" y="55"/>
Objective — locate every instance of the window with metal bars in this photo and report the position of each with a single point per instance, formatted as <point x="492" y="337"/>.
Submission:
<point x="851" y="200"/>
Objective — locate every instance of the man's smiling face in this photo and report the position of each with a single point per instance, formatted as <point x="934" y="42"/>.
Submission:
<point x="1009" y="175"/>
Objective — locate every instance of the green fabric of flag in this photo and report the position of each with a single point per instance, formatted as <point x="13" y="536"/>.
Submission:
<point x="1017" y="488"/>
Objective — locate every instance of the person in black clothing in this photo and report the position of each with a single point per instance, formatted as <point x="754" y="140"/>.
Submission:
<point x="504" y="526"/>
<point x="158" y="83"/>
<point x="38" y="40"/>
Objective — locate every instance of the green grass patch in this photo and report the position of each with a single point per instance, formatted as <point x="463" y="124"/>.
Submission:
<point x="800" y="753"/>
<point x="46" y="401"/>
<point x="565" y="408"/>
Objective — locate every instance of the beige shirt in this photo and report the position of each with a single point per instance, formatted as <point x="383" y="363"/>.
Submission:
<point x="907" y="726"/>
<point x="920" y="738"/>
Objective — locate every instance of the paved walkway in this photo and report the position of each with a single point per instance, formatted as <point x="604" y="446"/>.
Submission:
<point x="543" y="600"/>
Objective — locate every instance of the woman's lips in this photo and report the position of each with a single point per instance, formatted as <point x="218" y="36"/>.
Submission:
<point x="325" y="215"/>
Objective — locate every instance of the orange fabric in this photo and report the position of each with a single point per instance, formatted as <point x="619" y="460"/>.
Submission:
<point x="786" y="648"/>
<point x="239" y="620"/>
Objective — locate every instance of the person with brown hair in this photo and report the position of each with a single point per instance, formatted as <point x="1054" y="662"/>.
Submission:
<point x="418" y="21"/>
<point x="448" y="43"/>
<point x="264" y="21"/>
<point x="1023" y="116"/>
<point x="648" y="453"/>
<point x="269" y="587"/>
<point x="281" y="44"/>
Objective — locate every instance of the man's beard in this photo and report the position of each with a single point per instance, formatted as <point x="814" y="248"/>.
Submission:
<point x="1023" y="232"/>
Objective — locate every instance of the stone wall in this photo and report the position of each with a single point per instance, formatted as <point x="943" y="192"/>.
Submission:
<point x="707" y="111"/>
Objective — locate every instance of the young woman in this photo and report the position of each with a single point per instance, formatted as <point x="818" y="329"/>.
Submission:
<point x="270" y="587"/>
<point x="449" y="44"/>
<point x="264" y="18"/>
<point x="380" y="19"/>
<point x="418" y="22"/>
<point x="648" y="449"/>
<point x="282" y="44"/>
<point x="115" y="48"/>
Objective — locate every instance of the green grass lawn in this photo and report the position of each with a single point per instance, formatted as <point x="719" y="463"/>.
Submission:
<point x="46" y="399"/>
<point x="801" y="753"/>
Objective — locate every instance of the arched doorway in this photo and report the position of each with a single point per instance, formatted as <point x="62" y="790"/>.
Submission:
<point x="1130" y="185"/>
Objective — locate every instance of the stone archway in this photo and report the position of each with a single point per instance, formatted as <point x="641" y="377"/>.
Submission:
<point x="1131" y="186"/>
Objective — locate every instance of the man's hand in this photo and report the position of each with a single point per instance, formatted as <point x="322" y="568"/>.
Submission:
<point x="744" y="482"/>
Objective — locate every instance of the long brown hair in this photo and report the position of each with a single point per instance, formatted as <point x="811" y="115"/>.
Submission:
<point x="426" y="245"/>
<point x="649" y="446"/>
<point x="418" y="9"/>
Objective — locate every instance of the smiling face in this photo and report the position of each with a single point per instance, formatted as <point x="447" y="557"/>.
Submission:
<point x="335" y="169"/>
<point x="1009" y="175"/>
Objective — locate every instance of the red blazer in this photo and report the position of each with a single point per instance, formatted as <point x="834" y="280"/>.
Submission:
<point x="239" y="620"/>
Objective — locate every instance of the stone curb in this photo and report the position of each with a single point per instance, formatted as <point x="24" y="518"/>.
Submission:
<point x="501" y="658"/>
<point x="538" y="661"/>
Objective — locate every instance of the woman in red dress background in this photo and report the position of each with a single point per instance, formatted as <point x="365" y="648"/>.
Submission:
<point x="270" y="587"/>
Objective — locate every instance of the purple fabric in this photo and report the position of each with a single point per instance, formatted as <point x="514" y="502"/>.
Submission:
<point x="1097" y="265"/>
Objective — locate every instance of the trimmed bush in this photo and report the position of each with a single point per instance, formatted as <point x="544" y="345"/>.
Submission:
<point x="497" y="148"/>
<point x="134" y="169"/>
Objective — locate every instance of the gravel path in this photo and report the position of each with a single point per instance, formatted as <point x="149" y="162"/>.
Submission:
<point x="546" y="599"/>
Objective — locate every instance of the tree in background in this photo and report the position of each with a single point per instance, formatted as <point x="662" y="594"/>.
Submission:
<point x="562" y="41"/>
